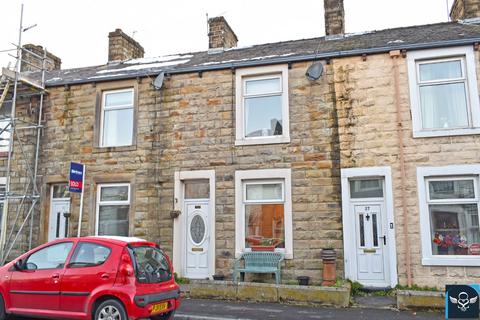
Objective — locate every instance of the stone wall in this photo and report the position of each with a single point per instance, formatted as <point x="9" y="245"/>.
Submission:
<point x="197" y="132"/>
<point x="345" y="119"/>
<point x="122" y="47"/>
<point x="220" y="34"/>
<point x="368" y="137"/>
<point x="465" y="9"/>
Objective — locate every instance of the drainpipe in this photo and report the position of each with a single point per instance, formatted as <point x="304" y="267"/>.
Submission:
<point x="395" y="54"/>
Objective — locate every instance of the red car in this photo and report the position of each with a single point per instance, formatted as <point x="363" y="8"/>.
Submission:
<point x="110" y="278"/>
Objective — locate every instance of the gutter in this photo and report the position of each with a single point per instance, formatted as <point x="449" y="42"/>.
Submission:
<point x="277" y="60"/>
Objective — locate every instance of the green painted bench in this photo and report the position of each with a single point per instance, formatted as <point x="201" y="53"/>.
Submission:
<point x="258" y="262"/>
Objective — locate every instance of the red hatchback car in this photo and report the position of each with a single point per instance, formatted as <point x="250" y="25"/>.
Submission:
<point x="100" y="278"/>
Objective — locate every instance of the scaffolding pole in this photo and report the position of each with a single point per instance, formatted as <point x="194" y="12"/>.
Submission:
<point x="26" y="203"/>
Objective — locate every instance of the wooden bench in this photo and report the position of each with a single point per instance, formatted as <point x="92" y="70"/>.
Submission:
<point x="259" y="262"/>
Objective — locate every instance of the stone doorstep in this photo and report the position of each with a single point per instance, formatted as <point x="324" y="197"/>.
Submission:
<point x="410" y="299"/>
<point x="264" y="292"/>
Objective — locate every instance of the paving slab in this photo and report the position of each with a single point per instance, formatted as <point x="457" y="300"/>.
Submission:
<point x="194" y="309"/>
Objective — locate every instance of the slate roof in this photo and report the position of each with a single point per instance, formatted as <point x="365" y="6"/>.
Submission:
<point x="414" y="37"/>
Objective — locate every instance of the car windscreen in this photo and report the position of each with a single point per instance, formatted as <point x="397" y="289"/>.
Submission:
<point x="151" y="265"/>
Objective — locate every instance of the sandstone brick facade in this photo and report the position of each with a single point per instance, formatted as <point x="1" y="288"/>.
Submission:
<point x="346" y="119"/>
<point x="220" y="34"/>
<point x="465" y="9"/>
<point x="123" y="47"/>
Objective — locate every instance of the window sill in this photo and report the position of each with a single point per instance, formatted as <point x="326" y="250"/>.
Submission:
<point x="259" y="141"/>
<point x="446" y="133"/>
<point x="463" y="261"/>
<point x="114" y="149"/>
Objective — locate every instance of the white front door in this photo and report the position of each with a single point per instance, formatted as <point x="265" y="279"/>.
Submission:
<point x="197" y="239"/>
<point x="370" y="243"/>
<point x="59" y="205"/>
<point x="57" y="226"/>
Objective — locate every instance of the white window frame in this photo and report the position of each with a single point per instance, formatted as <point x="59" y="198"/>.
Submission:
<point x="426" y="174"/>
<point x="467" y="56"/>
<point x="265" y="176"/>
<point x="260" y="73"/>
<point x="119" y="107"/>
<point x="111" y="203"/>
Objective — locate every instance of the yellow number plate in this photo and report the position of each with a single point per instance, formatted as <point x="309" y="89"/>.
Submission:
<point x="159" y="307"/>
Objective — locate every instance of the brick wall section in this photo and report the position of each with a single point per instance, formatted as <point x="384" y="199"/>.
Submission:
<point x="334" y="17"/>
<point x="33" y="63"/>
<point x="368" y="137"/>
<point x="122" y="47"/>
<point x="69" y="136"/>
<point x="220" y="34"/>
<point x="465" y="9"/>
<point x="197" y="131"/>
<point x="22" y="165"/>
<point x="189" y="125"/>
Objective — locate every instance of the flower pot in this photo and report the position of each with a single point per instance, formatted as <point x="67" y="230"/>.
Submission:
<point x="442" y="250"/>
<point x="218" y="277"/>
<point x="303" y="280"/>
<point x="262" y="248"/>
<point x="461" y="251"/>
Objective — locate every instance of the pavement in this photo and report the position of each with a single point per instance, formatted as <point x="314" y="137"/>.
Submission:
<point x="193" y="309"/>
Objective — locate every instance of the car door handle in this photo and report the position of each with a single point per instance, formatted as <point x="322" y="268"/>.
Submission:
<point x="104" y="276"/>
<point x="55" y="276"/>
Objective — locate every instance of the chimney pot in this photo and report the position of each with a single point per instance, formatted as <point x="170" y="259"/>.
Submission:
<point x="122" y="47"/>
<point x="465" y="9"/>
<point x="220" y="34"/>
<point x="334" y="18"/>
<point x="31" y="62"/>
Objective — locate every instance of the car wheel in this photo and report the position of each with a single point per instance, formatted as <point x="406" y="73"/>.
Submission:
<point x="110" y="310"/>
<point x="166" y="316"/>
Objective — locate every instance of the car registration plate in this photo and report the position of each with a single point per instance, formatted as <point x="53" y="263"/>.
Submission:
<point x="159" y="307"/>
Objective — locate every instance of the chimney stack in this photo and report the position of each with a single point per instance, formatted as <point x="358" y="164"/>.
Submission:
<point x="122" y="47"/>
<point x="465" y="9"/>
<point x="334" y="19"/>
<point x="31" y="61"/>
<point x="220" y="34"/>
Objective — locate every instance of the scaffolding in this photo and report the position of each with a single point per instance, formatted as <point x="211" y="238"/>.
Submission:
<point x="21" y="197"/>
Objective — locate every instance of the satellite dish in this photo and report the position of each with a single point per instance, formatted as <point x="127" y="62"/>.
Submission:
<point x="158" y="82"/>
<point x="315" y="71"/>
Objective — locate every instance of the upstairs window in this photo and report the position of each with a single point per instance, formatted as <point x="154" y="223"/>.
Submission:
<point x="262" y="105"/>
<point x="117" y="118"/>
<point x="443" y="88"/>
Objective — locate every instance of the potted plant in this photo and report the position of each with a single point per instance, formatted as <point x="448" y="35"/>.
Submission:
<point x="266" y="244"/>
<point x="303" y="280"/>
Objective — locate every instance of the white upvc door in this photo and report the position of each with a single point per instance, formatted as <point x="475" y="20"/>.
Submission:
<point x="370" y="255"/>
<point x="197" y="239"/>
<point x="57" y="226"/>
<point x="371" y="241"/>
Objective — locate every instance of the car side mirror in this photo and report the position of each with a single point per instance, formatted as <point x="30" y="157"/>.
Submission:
<point x="18" y="265"/>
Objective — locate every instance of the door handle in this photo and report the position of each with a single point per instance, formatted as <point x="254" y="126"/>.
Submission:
<point x="104" y="276"/>
<point x="56" y="276"/>
<point x="384" y="239"/>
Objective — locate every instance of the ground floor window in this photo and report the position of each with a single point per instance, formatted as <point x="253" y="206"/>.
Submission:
<point x="264" y="211"/>
<point x="113" y="208"/>
<point x="450" y="209"/>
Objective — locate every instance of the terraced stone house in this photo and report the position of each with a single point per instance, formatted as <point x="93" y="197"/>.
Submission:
<point x="219" y="152"/>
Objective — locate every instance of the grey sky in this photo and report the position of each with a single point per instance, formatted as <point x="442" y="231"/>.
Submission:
<point x="76" y="31"/>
